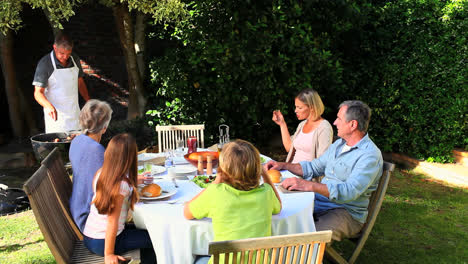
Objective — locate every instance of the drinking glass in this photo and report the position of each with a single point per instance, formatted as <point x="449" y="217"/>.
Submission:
<point x="168" y="154"/>
<point x="148" y="173"/>
<point x="180" y="148"/>
<point x="180" y="144"/>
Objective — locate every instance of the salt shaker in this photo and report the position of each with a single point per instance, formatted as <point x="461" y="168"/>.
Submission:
<point x="209" y="165"/>
<point x="200" y="165"/>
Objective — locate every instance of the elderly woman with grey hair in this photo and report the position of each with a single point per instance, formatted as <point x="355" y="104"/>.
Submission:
<point x="87" y="156"/>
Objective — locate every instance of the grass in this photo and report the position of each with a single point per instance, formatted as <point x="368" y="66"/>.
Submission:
<point x="421" y="221"/>
<point x="21" y="241"/>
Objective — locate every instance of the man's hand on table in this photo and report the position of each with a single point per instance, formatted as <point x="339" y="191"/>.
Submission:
<point x="297" y="184"/>
<point x="274" y="165"/>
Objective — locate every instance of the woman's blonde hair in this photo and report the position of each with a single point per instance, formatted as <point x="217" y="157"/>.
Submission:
<point x="95" y="116"/>
<point x="240" y="166"/>
<point x="120" y="164"/>
<point x="312" y="99"/>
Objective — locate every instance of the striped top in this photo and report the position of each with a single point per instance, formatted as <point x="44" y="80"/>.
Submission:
<point x="96" y="224"/>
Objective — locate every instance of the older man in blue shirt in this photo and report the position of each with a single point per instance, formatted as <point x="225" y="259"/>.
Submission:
<point x="351" y="166"/>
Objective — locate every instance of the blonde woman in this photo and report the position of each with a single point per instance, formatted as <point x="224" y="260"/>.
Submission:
<point x="313" y="135"/>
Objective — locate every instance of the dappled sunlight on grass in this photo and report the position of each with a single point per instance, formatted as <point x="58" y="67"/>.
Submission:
<point x="21" y="241"/>
<point x="420" y="222"/>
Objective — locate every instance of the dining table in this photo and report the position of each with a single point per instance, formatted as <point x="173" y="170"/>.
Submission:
<point x="178" y="240"/>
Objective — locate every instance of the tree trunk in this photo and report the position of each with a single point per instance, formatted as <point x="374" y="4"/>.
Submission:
<point x="140" y="28"/>
<point x="124" y="23"/>
<point x="56" y="30"/>
<point x="20" y="113"/>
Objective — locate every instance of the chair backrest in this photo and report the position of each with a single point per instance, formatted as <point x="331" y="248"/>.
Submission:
<point x="274" y="249"/>
<point x="168" y="135"/>
<point x="62" y="185"/>
<point x="376" y="199"/>
<point x="375" y="203"/>
<point x="58" y="234"/>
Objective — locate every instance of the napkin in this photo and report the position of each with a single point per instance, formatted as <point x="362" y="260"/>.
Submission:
<point x="179" y="160"/>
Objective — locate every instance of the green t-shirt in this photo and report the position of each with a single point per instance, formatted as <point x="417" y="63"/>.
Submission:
<point x="237" y="214"/>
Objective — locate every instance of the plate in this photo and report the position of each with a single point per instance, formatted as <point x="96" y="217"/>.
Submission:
<point x="185" y="169"/>
<point x="149" y="156"/>
<point x="168" y="190"/>
<point x="155" y="169"/>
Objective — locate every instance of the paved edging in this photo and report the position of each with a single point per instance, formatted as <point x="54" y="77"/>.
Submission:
<point x="455" y="174"/>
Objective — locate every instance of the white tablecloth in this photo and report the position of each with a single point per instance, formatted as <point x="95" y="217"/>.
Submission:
<point x="176" y="240"/>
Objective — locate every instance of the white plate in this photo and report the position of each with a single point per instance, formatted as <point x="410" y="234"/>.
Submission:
<point x="148" y="156"/>
<point x="185" y="170"/>
<point x="179" y="160"/>
<point x="168" y="190"/>
<point x="155" y="169"/>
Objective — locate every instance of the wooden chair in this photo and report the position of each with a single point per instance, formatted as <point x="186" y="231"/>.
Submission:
<point x="274" y="249"/>
<point x="375" y="202"/>
<point x="61" y="184"/>
<point x="59" y="234"/>
<point x="168" y="135"/>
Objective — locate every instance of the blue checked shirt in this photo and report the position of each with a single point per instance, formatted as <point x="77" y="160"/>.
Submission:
<point x="350" y="177"/>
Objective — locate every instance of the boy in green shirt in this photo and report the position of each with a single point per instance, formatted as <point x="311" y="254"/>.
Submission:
<point x="236" y="202"/>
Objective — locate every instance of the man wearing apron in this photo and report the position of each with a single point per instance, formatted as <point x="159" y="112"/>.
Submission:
<point x="57" y="80"/>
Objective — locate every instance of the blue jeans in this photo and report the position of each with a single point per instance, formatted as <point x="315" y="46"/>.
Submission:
<point x="128" y="240"/>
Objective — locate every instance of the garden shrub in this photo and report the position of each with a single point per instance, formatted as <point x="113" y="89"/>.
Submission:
<point x="234" y="62"/>
<point x="420" y="90"/>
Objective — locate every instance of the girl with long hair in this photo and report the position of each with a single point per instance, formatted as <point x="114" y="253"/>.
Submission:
<point x="115" y="186"/>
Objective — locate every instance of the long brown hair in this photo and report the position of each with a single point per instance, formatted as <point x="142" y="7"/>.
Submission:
<point x="120" y="164"/>
<point x="240" y="166"/>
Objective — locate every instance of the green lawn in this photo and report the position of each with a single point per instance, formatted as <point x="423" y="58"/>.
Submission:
<point x="421" y="221"/>
<point x="21" y="241"/>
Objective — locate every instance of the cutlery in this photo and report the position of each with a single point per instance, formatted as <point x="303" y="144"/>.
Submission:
<point x="173" y="201"/>
<point x="175" y="183"/>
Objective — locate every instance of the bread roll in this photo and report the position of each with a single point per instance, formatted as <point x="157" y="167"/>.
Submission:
<point x="204" y="154"/>
<point x="275" y="176"/>
<point x="151" y="190"/>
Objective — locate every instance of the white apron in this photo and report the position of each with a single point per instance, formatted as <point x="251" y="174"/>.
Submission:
<point x="62" y="93"/>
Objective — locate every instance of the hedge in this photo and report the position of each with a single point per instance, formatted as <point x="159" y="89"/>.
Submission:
<point x="234" y="62"/>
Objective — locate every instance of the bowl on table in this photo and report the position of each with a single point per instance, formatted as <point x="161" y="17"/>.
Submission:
<point x="193" y="158"/>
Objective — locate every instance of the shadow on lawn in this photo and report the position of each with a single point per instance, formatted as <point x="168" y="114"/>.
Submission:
<point x="16" y="247"/>
<point x="420" y="221"/>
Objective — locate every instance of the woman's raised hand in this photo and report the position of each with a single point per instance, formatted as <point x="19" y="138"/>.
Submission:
<point x="278" y="117"/>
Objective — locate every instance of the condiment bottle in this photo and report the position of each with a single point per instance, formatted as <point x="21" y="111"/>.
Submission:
<point x="200" y="165"/>
<point x="209" y="165"/>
